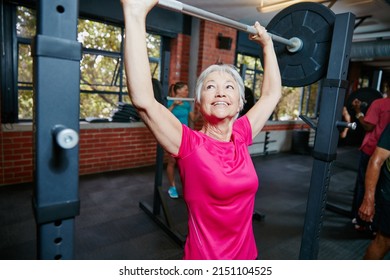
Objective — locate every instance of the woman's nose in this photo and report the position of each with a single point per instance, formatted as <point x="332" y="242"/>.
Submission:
<point x="219" y="92"/>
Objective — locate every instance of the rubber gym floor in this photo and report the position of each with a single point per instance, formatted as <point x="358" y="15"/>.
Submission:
<point x="112" y="226"/>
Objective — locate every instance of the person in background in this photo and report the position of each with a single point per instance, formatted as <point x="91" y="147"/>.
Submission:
<point x="217" y="173"/>
<point x="378" y="177"/>
<point x="374" y="122"/>
<point x="347" y="118"/>
<point x="183" y="111"/>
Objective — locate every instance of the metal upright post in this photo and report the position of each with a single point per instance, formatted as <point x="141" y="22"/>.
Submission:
<point x="327" y="133"/>
<point x="159" y="203"/>
<point x="57" y="56"/>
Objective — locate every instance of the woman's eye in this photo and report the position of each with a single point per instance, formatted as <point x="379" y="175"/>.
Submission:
<point x="209" y="86"/>
<point x="230" y="87"/>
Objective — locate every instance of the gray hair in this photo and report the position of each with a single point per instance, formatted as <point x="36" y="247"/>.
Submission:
<point x="224" y="68"/>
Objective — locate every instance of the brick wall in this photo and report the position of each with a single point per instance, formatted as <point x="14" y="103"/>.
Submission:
<point x="209" y="53"/>
<point x="208" y="45"/>
<point x="110" y="149"/>
<point x="100" y="150"/>
<point x="180" y="59"/>
<point x="16" y="162"/>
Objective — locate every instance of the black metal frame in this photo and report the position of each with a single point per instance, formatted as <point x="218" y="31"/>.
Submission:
<point x="165" y="222"/>
<point x="56" y="56"/>
<point x="327" y="133"/>
<point x="154" y="212"/>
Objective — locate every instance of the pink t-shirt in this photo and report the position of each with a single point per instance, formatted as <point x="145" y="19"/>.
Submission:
<point x="219" y="187"/>
<point x="378" y="114"/>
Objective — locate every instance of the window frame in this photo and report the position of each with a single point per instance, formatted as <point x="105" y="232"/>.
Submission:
<point x="304" y="93"/>
<point x="12" y="114"/>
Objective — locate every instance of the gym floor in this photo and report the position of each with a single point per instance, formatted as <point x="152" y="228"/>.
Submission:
<point x="112" y="226"/>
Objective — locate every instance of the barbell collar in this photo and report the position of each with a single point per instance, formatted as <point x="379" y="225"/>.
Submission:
<point x="202" y="14"/>
<point x="296" y="46"/>
<point x="342" y="124"/>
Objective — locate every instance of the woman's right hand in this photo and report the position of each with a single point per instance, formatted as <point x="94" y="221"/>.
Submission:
<point x="138" y="7"/>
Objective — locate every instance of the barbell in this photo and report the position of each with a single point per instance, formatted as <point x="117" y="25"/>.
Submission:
<point x="303" y="57"/>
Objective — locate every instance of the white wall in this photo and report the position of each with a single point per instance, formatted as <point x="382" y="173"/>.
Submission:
<point x="280" y="140"/>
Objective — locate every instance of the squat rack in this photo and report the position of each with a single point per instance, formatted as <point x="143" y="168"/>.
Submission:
<point x="57" y="56"/>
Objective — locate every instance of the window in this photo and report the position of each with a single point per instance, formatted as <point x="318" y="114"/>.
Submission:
<point x="294" y="101"/>
<point x="103" y="82"/>
<point x="102" y="78"/>
<point x="252" y="72"/>
<point x="25" y="31"/>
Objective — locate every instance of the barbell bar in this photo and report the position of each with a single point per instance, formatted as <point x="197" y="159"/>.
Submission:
<point x="293" y="44"/>
<point x="181" y="99"/>
<point x="303" y="58"/>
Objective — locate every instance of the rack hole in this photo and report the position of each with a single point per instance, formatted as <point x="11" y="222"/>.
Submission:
<point x="60" y="9"/>
<point x="58" y="240"/>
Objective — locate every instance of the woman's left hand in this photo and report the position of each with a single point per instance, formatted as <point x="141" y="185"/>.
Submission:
<point x="262" y="36"/>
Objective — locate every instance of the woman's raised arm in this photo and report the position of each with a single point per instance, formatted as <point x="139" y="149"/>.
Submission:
<point x="161" y="122"/>
<point x="271" y="89"/>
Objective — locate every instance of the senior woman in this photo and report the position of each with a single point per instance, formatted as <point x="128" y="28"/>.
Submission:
<point x="217" y="173"/>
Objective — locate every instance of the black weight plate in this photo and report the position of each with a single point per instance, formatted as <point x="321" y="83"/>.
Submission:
<point x="365" y="95"/>
<point x="313" y="24"/>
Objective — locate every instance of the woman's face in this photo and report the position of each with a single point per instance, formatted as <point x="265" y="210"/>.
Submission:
<point x="182" y="92"/>
<point x="220" y="97"/>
